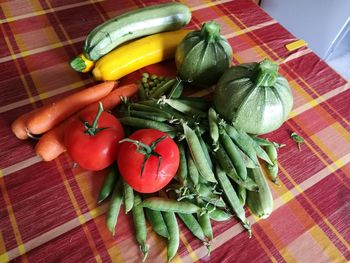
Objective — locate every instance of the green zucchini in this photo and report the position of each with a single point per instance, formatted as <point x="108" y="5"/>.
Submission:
<point x="134" y="24"/>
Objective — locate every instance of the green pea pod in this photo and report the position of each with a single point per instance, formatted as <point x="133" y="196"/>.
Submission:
<point x="128" y="194"/>
<point x="192" y="224"/>
<point x="242" y="194"/>
<point x="157" y="222"/>
<point x="204" y="148"/>
<point x="272" y="170"/>
<point x="155" y="116"/>
<point x="213" y="127"/>
<point x="226" y="164"/>
<point x="198" y="154"/>
<point x="233" y="152"/>
<point x="242" y="142"/>
<point x="218" y="214"/>
<point x="108" y="185"/>
<point x="232" y="197"/>
<point x="185" y="108"/>
<point x="174" y="234"/>
<point x="114" y="207"/>
<point x="140" y="226"/>
<point x="170" y="205"/>
<point x="176" y="90"/>
<point x="192" y="170"/>
<point x="182" y="171"/>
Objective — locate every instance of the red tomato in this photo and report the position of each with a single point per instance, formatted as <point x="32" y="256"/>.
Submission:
<point x="153" y="178"/>
<point x="94" y="152"/>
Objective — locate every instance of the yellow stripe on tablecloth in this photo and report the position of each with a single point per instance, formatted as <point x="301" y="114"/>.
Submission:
<point x="4" y="257"/>
<point x="319" y="100"/>
<point x="20" y="248"/>
<point x="189" y="248"/>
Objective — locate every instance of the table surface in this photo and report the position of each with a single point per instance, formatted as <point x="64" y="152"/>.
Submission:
<point x="48" y="211"/>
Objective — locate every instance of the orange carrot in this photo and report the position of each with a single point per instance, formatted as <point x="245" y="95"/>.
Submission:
<point x="19" y="128"/>
<point x="51" y="144"/>
<point x="113" y="99"/>
<point x="50" y="115"/>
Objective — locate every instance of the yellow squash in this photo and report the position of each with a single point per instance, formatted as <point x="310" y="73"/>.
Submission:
<point x="138" y="54"/>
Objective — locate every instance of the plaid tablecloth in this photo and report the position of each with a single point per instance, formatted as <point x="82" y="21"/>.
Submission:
<point x="48" y="211"/>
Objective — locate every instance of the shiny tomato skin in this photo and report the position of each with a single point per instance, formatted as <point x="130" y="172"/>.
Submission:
<point x="130" y="162"/>
<point x="94" y="152"/>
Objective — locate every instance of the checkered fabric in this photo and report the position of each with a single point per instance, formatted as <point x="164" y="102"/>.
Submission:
<point x="48" y="211"/>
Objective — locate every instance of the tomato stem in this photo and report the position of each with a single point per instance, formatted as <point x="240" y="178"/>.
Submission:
<point x="146" y="150"/>
<point x="93" y="129"/>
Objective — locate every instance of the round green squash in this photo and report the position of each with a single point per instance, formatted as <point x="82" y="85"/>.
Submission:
<point x="253" y="97"/>
<point x="203" y="55"/>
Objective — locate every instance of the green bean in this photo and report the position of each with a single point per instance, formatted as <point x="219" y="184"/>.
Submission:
<point x="184" y="108"/>
<point x="207" y="194"/>
<point x="204" y="148"/>
<point x="174" y="234"/>
<point x="163" y="89"/>
<point x="233" y="153"/>
<point x="182" y="171"/>
<point x="157" y="222"/>
<point x="213" y="127"/>
<point x="218" y="214"/>
<point x="170" y="205"/>
<point x="141" y="91"/>
<point x="242" y="142"/>
<point x="155" y="116"/>
<point x="176" y="90"/>
<point x="142" y="123"/>
<point x="232" y="197"/>
<point x="226" y="164"/>
<point x="128" y="194"/>
<point x="142" y="106"/>
<point x="193" y="225"/>
<point x="114" y="207"/>
<point x="108" y="185"/>
<point x="140" y="226"/>
<point x="192" y="170"/>
<point x="198" y="154"/>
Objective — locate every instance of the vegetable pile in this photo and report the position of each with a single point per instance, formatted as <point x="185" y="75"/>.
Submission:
<point x="169" y="156"/>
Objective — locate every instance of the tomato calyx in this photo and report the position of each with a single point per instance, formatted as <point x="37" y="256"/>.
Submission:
<point x="147" y="150"/>
<point x="92" y="129"/>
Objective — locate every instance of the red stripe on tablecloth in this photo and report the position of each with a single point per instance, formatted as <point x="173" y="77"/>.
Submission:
<point x="307" y="66"/>
<point x="4" y="51"/>
<point x="337" y="198"/>
<point x="38" y="195"/>
<point x="239" y="7"/>
<point x="341" y="103"/>
<point x="69" y="247"/>
<point x="29" y="24"/>
<point x="55" y="23"/>
<point x="20" y="65"/>
<point x="241" y="250"/>
<point x="59" y="3"/>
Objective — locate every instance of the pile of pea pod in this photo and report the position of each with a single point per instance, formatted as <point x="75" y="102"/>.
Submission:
<point x="219" y="172"/>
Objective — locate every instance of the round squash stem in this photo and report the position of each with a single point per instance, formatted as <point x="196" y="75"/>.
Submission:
<point x="267" y="73"/>
<point x="211" y="31"/>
